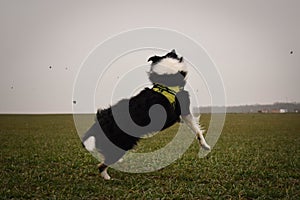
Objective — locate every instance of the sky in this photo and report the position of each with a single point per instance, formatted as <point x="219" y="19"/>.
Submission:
<point x="255" y="46"/>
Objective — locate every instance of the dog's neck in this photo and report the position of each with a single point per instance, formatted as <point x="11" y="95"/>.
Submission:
<point x="168" y="92"/>
<point x="170" y="89"/>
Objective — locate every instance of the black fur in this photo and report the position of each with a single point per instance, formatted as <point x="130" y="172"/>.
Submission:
<point x="155" y="59"/>
<point x="112" y="142"/>
<point x="102" y="167"/>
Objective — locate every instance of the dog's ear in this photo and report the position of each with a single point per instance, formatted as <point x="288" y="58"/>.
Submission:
<point x="172" y="54"/>
<point x="154" y="59"/>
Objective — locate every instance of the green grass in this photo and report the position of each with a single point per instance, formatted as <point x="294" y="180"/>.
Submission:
<point x="256" y="157"/>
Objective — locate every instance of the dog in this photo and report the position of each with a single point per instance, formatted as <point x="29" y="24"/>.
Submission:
<point x="118" y="128"/>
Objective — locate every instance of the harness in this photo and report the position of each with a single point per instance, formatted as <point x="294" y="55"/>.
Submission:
<point x="168" y="92"/>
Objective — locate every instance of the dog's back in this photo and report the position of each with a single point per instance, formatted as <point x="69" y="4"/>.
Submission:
<point x="112" y="141"/>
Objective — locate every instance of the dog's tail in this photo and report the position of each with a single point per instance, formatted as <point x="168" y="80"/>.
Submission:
<point x="88" y="140"/>
<point x="89" y="144"/>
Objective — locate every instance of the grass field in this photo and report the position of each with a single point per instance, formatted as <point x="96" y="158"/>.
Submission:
<point x="256" y="157"/>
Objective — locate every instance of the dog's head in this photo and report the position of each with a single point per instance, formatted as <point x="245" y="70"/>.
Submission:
<point x="169" y="69"/>
<point x="168" y="64"/>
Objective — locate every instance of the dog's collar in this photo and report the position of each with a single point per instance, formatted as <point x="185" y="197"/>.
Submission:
<point x="168" y="92"/>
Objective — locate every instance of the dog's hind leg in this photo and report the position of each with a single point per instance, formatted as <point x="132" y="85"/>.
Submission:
<point x="189" y="119"/>
<point x="103" y="171"/>
<point x="110" y="157"/>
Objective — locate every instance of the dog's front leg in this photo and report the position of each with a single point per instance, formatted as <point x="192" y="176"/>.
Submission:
<point x="190" y="121"/>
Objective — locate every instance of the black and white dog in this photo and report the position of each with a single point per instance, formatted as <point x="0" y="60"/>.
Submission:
<point x="118" y="128"/>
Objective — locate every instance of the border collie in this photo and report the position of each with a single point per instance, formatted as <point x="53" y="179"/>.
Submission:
<point x="113" y="134"/>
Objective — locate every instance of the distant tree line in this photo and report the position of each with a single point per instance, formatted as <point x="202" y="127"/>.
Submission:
<point x="257" y="108"/>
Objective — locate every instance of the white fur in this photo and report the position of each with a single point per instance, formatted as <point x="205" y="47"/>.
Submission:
<point x="105" y="175"/>
<point x="194" y="125"/>
<point x="169" y="66"/>
<point x="90" y="143"/>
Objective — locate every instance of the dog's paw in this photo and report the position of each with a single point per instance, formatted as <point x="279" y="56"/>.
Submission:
<point x="103" y="171"/>
<point x="105" y="175"/>
<point x="203" y="144"/>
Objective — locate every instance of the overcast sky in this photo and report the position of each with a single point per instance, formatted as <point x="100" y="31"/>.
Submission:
<point x="254" y="44"/>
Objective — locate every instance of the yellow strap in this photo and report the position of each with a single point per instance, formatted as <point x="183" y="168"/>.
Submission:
<point x="175" y="88"/>
<point x="169" y="96"/>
